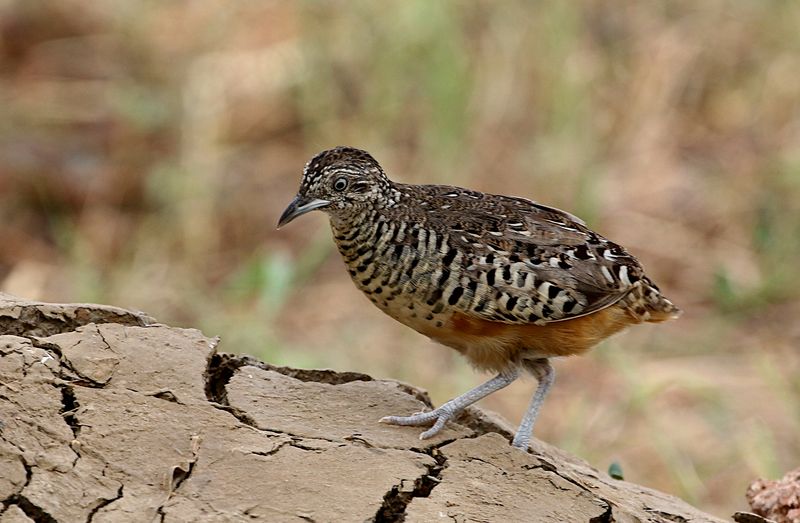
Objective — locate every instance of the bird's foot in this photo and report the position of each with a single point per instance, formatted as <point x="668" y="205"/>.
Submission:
<point x="521" y="441"/>
<point x="449" y="410"/>
<point x="438" y="416"/>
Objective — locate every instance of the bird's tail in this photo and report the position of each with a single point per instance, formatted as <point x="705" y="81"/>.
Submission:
<point x="646" y="303"/>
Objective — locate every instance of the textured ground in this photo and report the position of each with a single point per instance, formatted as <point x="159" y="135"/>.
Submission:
<point x="106" y="415"/>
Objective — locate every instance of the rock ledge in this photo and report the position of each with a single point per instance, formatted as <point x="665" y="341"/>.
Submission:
<point x="106" y="415"/>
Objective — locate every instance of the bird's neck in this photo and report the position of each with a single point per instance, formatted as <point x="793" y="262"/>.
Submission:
<point x="356" y="228"/>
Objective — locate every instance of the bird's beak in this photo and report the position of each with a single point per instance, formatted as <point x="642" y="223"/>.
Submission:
<point x="299" y="206"/>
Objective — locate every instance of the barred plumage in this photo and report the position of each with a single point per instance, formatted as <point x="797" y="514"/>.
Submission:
<point x="506" y="281"/>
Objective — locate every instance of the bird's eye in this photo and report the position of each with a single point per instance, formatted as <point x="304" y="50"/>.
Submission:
<point x="340" y="184"/>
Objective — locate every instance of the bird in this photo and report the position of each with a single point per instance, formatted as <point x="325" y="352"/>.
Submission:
<point x="506" y="281"/>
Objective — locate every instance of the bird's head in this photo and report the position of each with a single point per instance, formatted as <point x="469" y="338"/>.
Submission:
<point x="342" y="182"/>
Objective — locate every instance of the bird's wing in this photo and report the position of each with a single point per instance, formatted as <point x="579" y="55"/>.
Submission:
<point x="523" y="262"/>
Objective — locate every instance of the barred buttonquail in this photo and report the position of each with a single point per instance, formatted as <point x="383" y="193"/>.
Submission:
<point x="507" y="282"/>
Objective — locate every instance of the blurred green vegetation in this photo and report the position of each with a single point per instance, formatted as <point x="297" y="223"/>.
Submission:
<point x="147" y="149"/>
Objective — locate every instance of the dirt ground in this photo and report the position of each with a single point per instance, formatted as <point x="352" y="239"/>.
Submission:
<point x="107" y="415"/>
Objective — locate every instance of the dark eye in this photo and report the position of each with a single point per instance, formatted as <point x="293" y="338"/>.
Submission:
<point x="340" y="184"/>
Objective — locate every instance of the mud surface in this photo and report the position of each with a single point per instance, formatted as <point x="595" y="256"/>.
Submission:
<point x="106" y="415"/>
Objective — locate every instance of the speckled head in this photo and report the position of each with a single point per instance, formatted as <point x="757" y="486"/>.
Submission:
<point x="342" y="181"/>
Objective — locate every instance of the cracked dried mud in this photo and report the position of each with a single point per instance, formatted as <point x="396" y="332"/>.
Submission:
<point x="106" y="415"/>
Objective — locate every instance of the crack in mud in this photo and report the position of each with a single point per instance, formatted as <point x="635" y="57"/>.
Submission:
<point x="105" y="503"/>
<point x="69" y="408"/>
<point x="220" y="368"/>
<point x="180" y="473"/>
<point x="65" y="369"/>
<point x="32" y="321"/>
<point x="33" y="511"/>
<point x="28" y="476"/>
<point x="605" y="517"/>
<point x="396" y="501"/>
<point x="163" y="394"/>
<point x="272" y="451"/>
<point x="328" y="376"/>
<point x="667" y="516"/>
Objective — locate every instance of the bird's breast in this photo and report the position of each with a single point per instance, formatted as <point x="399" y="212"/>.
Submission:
<point x="400" y="267"/>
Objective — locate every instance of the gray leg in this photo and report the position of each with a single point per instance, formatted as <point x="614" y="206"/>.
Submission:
<point x="454" y="406"/>
<point x="546" y="375"/>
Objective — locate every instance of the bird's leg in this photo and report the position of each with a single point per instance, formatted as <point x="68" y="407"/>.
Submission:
<point x="454" y="406"/>
<point x="545" y="375"/>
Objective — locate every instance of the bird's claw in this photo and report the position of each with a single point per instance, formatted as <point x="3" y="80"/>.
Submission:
<point x="438" y="416"/>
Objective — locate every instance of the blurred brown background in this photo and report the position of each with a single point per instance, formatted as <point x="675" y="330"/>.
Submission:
<point x="148" y="148"/>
